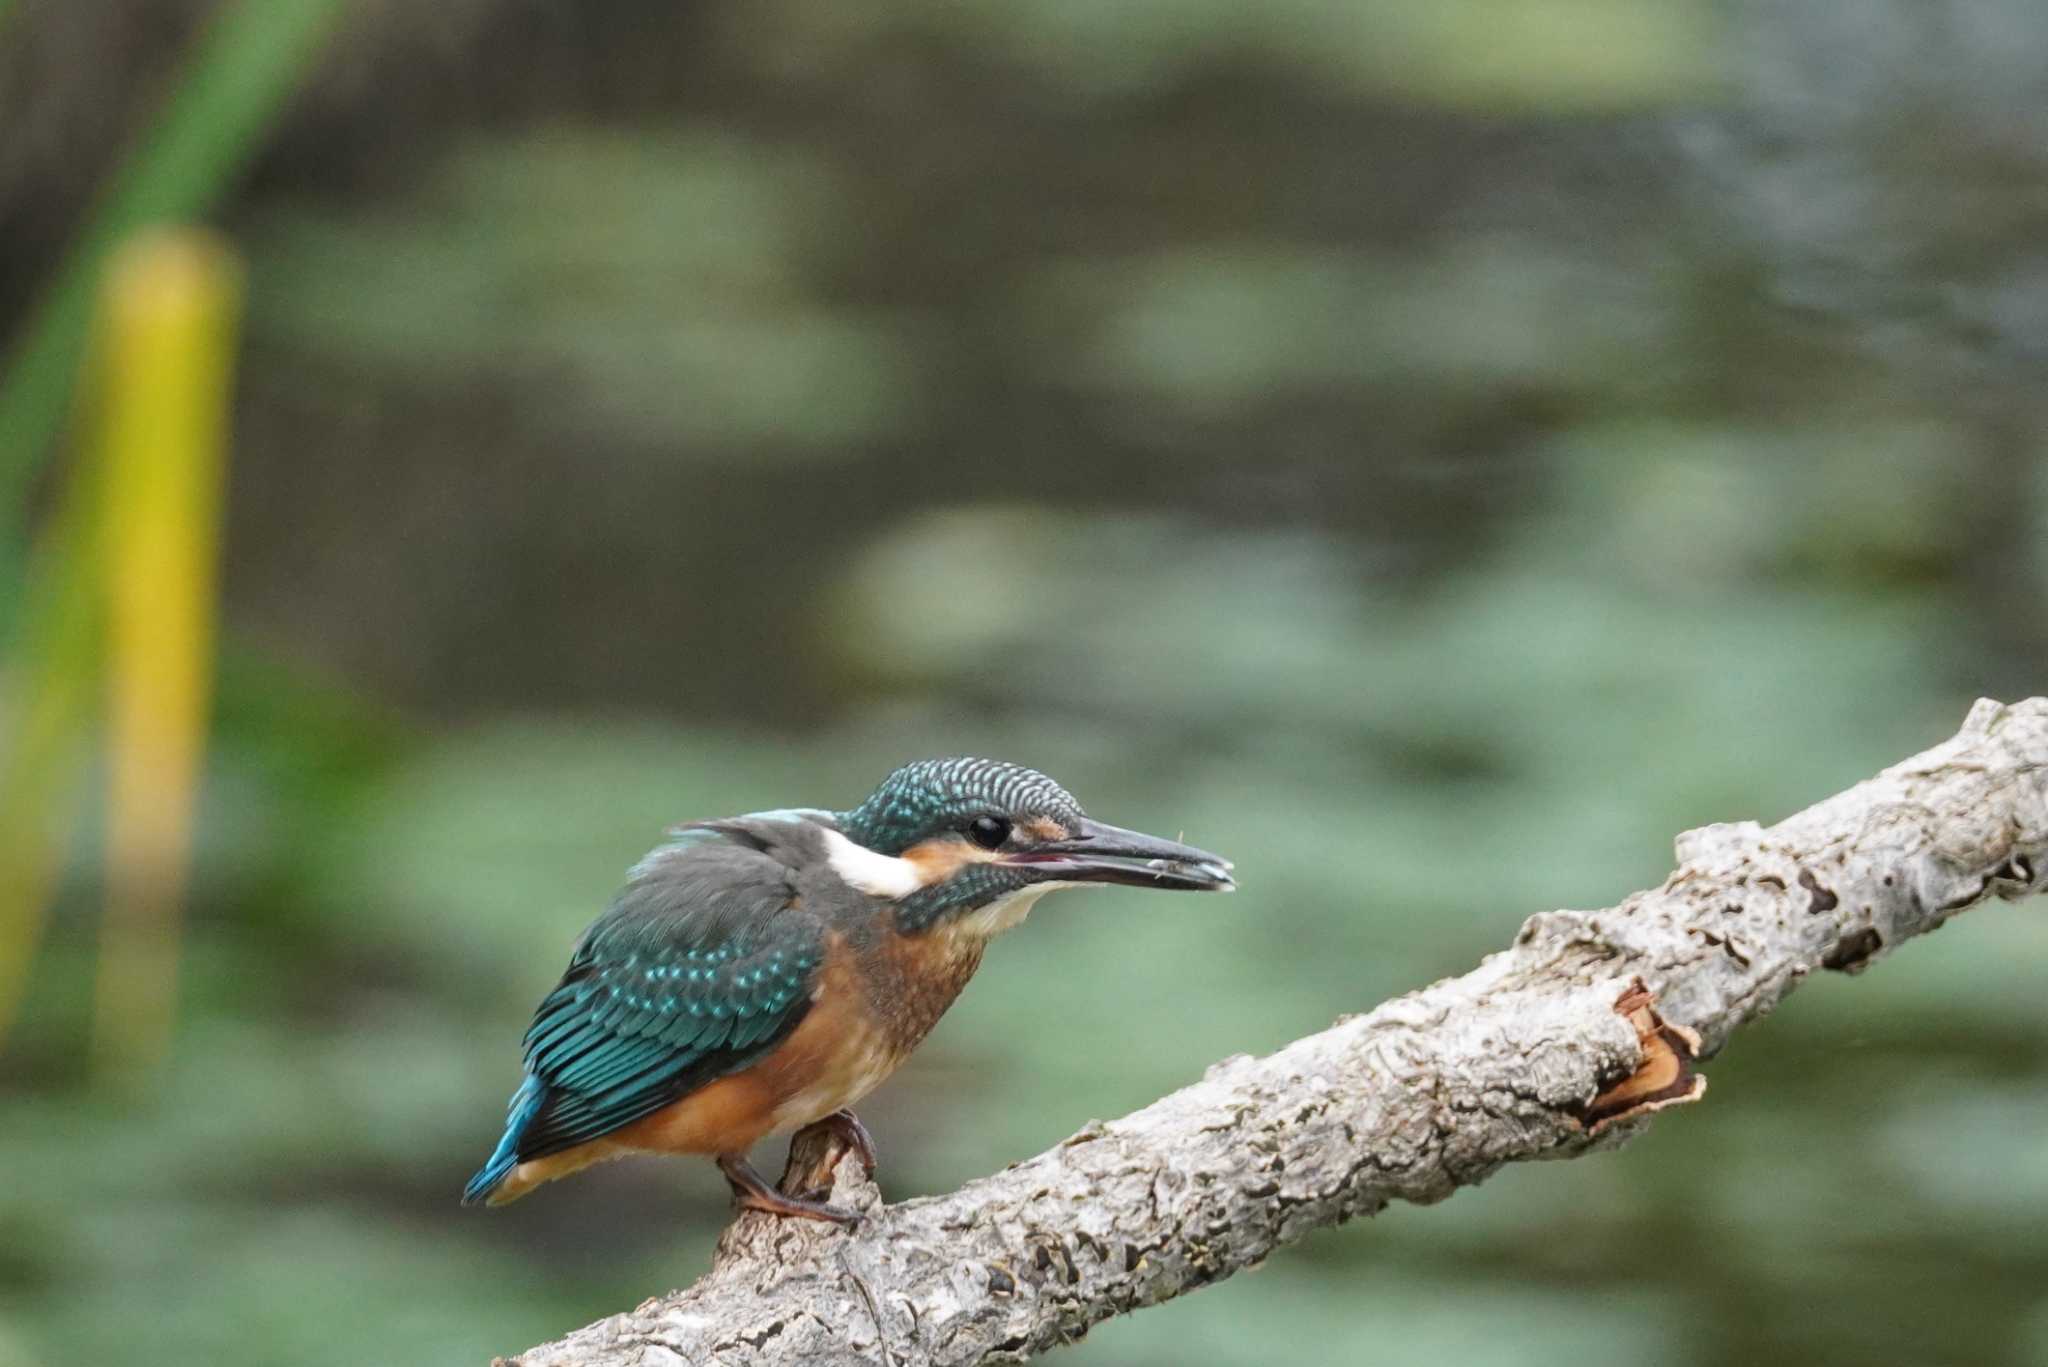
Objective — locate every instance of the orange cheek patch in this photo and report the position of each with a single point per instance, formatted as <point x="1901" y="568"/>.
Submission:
<point x="1043" y="828"/>
<point x="941" y="857"/>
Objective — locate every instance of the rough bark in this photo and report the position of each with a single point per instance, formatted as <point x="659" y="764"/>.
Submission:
<point x="1557" y="1046"/>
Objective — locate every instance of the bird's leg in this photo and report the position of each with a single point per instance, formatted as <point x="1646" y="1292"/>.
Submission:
<point x="751" y="1190"/>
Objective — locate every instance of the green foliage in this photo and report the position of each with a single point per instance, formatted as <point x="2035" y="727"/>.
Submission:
<point x="228" y="96"/>
<point x="654" y="279"/>
<point x="54" y="672"/>
<point x="1547" y="55"/>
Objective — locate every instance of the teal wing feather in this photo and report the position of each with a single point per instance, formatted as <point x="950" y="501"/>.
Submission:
<point x="701" y="966"/>
<point x="641" y="1021"/>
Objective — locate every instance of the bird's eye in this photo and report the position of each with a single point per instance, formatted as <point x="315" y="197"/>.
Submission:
<point x="989" y="832"/>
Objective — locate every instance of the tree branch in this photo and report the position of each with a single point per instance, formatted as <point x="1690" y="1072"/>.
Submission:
<point x="1553" y="1048"/>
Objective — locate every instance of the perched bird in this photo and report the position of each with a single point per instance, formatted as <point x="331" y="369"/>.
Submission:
<point x="765" y="972"/>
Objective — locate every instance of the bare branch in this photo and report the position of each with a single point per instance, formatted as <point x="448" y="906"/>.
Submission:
<point x="1557" y="1046"/>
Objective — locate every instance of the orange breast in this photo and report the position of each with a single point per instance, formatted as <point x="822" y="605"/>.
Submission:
<point x="868" y="1012"/>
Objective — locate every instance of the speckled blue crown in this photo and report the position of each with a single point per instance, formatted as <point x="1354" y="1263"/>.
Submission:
<point x="931" y="795"/>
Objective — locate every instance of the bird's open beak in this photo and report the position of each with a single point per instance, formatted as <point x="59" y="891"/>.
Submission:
<point x="1101" y="853"/>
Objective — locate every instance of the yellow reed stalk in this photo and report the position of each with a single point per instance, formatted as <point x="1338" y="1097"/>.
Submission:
<point x="170" y="308"/>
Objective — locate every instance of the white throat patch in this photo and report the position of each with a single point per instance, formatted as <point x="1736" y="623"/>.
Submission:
<point x="877" y="875"/>
<point x="1003" y="914"/>
<point x="1009" y="911"/>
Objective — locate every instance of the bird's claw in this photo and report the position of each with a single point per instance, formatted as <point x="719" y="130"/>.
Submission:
<point x="845" y="1126"/>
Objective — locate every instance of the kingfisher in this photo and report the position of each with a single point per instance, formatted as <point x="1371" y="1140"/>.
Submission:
<point x="763" y="973"/>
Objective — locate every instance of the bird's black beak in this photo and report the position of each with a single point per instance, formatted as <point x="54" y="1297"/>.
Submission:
<point x="1096" y="852"/>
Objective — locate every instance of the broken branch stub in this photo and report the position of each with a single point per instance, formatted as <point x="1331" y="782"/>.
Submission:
<point x="1567" y="1041"/>
<point x="1665" y="1077"/>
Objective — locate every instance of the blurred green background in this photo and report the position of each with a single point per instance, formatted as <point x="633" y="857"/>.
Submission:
<point x="1433" y="453"/>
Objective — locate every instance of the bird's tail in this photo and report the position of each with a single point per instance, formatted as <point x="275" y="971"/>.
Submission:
<point x="526" y="1104"/>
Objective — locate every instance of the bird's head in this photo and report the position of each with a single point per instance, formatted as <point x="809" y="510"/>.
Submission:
<point x="973" y="843"/>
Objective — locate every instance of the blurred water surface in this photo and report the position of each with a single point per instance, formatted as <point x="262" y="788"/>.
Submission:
<point x="1431" y="454"/>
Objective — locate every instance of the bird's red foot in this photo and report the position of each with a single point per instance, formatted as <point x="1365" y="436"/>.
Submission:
<point x="751" y="1192"/>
